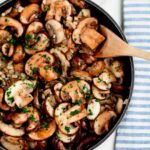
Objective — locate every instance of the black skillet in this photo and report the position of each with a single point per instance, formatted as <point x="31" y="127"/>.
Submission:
<point x="106" y="20"/>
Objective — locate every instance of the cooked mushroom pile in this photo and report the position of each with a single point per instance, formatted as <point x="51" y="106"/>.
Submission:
<point x="53" y="90"/>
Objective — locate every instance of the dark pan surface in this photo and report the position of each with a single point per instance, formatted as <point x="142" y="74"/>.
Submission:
<point x="106" y="20"/>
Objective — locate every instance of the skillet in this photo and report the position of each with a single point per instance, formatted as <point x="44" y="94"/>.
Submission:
<point x="106" y="20"/>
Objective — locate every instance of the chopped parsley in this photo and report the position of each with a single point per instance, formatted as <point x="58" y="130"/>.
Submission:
<point x="99" y="80"/>
<point x="72" y="113"/>
<point x="3" y="58"/>
<point x="67" y="129"/>
<point x="7" y="20"/>
<point x="8" y="93"/>
<point x="34" y="48"/>
<point x="37" y="39"/>
<point x="84" y="88"/>
<point x="12" y="41"/>
<point x="57" y="71"/>
<point x="34" y="70"/>
<point x="89" y="96"/>
<point x="29" y="36"/>
<point x="97" y="100"/>
<point x="31" y="85"/>
<point x="25" y="110"/>
<point x="45" y="125"/>
<point x="47" y="8"/>
<point x="32" y="118"/>
<point x="10" y="99"/>
<point x="45" y="68"/>
<point x="90" y="112"/>
<point x="78" y="102"/>
<point x="77" y="79"/>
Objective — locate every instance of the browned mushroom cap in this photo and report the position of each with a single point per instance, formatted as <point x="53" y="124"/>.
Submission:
<point x="79" y="3"/>
<point x="101" y="123"/>
<point x="119" y="105"/>
<point x="33" y="118"/>
<point x="8" y="49"/>
<point x="89" y="22"/>
<point x="57" y="89"/>
<point x="96" y="68"/>
<point x="5" y="37"/>
<point x="30" y="13"/>
<point x="81" y="74"/>
<point x="1" y="94"/>
<point x="34" y="1"/>
<point x="64" y="62"/>
<point x="65" y="138"/>
<point x="55" y="30"/>
<point x="10" y="130"/>
<point x="7" y="21"/>
<point x="36" y="61"/>
<point x="44" y="132"/>
<point x="41" y="45"/>
<point x="19" y="118"/>
<point x="13" y="143"/>
<point x="19" y="54"/>
<point x="58" y="9"/>
<point x="3" y="106"/>
<point x="20" y="93"/>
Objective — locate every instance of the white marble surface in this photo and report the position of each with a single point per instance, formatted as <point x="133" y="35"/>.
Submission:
<point x="113" y="7"/>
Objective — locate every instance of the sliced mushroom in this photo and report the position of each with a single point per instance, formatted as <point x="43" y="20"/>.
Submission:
<point x="30" y="13"/>
<point x="57" y="89"/>
<point x="119" y="105"/>
<point x="19" y="118"/>
<point x="99" y="94"/>
<point x="41" y="45"/>
<point x="1" y="94"/>
<point x="65" y="117"/>
<point x="47" y="73"/>
<point x="58" y="9"/>
<point x="36" y="102"/>
<point x="65" y="138"/>
<point x="8" y="49"/>
<point x="81" y="74"/>
<point x="10" y="130"/>
<point x="89" y="22"/>
<point x="64" y="62"/>
<point x="55" y="30"/>
<point x="33" y="118"/>
<point x="101" y="124"/>
<point x="5" y="37"/>
<point x="117" y="68"/>
<point x="37" y="61"/>
<point x="93" y="109"/>
<point x="96" y="68"/>
<point x="71" y="91"/>
<point x="43" y="133"/>
<point x="50" y="104"/>
<point x="19" y="54"/>
<point x="79" y="3"/>
<point x="19" y="93"/>
<point x="12" y="143"/>
<point x="19" y="67"/>
<point x="7" y="21"/>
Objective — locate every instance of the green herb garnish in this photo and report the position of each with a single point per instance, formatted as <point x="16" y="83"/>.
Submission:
<point x="72" y="113"/>
<point x="77" y="79"/>
<point x="34" y="70"/>
<point x="90" y="112"/>
<point x="31" y="85"/>
<point x="45" y="125"/>
<point x="3" y="58"/>
<point x="67" y="129"/>
<point x="47" y="8"/>
<point x="32" y="118"/>
<point x="10" y="99"/>
<point x="45" y="68"/>
<point x="25" y="110"/>
<point x="7" y="20"/>
<point x="29" y="36"/>
<point x="78" y="102"/>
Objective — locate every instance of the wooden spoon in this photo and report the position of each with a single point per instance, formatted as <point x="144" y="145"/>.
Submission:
<point x="114" y="46"/>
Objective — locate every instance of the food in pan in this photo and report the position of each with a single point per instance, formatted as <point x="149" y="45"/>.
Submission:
<point x="53" y="91"/>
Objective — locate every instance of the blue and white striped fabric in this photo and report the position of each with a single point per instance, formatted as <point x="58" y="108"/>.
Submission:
<point x="134" y="130"/>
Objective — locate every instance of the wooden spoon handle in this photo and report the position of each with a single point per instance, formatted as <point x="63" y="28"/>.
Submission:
<point x="133" y="51"/>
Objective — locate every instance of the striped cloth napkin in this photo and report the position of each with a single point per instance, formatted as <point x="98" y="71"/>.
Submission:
<point x="134" y="131"/>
